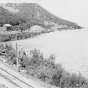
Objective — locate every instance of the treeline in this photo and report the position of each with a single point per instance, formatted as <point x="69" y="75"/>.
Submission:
<point x="44" y="69"/>
<point x="29" y="15"/>
<point x="4" y="37"/>
<point x="17" y="20"/>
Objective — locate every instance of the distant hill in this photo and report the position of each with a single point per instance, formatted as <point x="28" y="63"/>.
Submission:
<point x="25" y="15"/>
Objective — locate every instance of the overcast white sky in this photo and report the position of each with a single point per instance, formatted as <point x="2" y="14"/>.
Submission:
<point x="73" y="10"/>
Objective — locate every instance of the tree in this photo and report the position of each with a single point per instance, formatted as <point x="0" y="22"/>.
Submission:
<point x="23" y="26"/>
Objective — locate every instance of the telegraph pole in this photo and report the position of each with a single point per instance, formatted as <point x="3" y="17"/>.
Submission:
<point x="17" y="58"/>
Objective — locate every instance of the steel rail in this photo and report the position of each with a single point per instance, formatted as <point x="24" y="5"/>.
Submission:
<point x="14" y="77"/>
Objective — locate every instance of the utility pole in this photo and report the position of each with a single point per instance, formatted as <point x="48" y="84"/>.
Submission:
<point x="17" y="58"/>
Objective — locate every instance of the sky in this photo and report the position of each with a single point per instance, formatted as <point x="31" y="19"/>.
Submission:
<point x="72" y="10"/>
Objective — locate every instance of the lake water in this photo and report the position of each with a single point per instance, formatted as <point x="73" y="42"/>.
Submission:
<point x="70" y="48"/>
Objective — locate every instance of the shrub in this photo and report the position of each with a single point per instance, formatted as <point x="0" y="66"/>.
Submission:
<point x="9" y="52"/>
<point x="45" y="69"/>
<point x="49" y="72"/>
<point x="57" y="76"/>
<point x="23" y="59"/>
<point x="36" y="57"/>
<point x="34" y="62"/>
<point x="5" y="38"/>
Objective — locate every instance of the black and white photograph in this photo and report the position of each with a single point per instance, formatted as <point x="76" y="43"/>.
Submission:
<point x="43" y="43"/>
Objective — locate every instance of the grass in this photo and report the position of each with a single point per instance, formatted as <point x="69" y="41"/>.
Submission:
<point x="46" y="69"/>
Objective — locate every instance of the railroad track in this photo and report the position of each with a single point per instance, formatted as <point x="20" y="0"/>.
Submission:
<point x="13" y="79"/>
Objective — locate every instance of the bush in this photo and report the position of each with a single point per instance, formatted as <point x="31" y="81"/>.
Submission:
<point x="36" y="58"/>
<point x="5" y="38"/>
<point x="45" y="69"/>
<point x="23" y="59"/>
<point x="49" y="72"/>
<point x="56" y="78"/>
<point x="9" y="52"/>
<point x="34" y="61"/>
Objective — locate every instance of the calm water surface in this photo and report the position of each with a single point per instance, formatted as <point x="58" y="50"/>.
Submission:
<point x="70" y="48"/>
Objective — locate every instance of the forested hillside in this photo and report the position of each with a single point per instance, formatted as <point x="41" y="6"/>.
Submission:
<point x="29" y="14"/>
